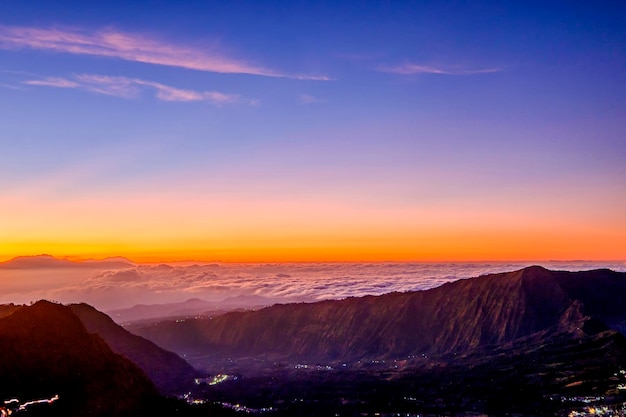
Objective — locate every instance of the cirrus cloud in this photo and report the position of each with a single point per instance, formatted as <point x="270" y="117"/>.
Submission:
<point x="134" y="47"/>
<point x="413" y="69"/>
<point x="125" y="87"/>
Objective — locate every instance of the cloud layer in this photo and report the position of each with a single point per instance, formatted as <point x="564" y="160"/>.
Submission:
<point x="132" y="47"/>
<point x="148" y="284"/>
<point x="131" y="87"/>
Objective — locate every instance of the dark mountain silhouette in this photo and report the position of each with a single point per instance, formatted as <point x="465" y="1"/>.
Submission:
<point x="7" y="309"/>
<point x="50" y="262"/>
<point x="47" y="351"/>
<point x="168" y="371"/>
<point x="457" y="317"/>
<point x="152" y="311"/>
<point x="190" y="307"/>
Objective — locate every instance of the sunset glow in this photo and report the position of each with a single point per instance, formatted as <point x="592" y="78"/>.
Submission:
<point x="233" y="135"/>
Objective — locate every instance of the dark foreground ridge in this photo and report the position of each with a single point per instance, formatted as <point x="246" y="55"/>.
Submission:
<point x="73" y="360"/>
<point x="46" y="351"/>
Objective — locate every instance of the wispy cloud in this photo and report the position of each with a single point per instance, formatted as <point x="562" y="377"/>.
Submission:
<point x="132" y="47"/>
<point x="132" y="87"/>
<point x="11" y="87"/>
<point x="309" y="99"/>
<point x="54" y="82"/>
<point x="412" y="69"/>
<point x="113" y="86"/>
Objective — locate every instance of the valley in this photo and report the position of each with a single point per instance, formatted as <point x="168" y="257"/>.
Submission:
<point x="532" y="342"/>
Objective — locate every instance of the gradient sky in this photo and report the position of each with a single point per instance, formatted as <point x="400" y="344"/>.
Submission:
<point x="304" y="131"/>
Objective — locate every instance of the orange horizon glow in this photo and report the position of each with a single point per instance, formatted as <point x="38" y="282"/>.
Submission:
<point x="154" y="229"/>
<point x="467" y="249"/>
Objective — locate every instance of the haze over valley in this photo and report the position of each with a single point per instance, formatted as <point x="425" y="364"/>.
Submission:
<point x="117" y="283"/>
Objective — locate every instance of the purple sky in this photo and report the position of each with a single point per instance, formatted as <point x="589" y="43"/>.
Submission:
<point x="311" y="131"/>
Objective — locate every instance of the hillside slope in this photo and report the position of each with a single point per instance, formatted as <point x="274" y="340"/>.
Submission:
<point x="169" y="372"/>
<point x="457" y="317"/>
<point x="46" y="351"/>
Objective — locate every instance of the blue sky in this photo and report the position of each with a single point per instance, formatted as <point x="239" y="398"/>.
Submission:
<point x="402" y="121"/>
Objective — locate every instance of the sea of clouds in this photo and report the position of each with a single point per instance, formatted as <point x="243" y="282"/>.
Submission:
<point x="109" y="289"/>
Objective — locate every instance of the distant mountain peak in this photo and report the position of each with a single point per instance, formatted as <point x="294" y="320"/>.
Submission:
<point x="41" y="255"/>
<point x="534" y="269"/>
<point x="45" y="261"/>
<point x="195" y="300"/>
<point x="35" y="262"/>
<point x="111" y="259"/>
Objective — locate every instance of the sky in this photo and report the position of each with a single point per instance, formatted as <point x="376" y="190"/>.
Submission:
<point x="313" y="131"/>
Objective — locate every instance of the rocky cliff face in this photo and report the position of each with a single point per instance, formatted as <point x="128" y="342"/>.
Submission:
<point x="456" y="317"/>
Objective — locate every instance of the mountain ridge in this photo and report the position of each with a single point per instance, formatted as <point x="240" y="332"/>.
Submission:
<point x="459" y="316"/>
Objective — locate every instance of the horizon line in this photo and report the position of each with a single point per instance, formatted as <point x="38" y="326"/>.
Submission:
<point x="78" y="259"/>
